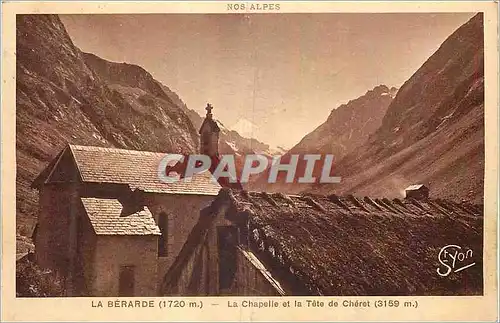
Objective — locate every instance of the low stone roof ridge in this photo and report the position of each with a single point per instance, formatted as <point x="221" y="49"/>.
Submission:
<point x="348" y="245"/>
<point x="366" y="203"/>
<point x="114" y="149"/>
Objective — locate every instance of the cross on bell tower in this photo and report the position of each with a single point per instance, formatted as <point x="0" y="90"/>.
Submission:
<point x="209" y="110"/>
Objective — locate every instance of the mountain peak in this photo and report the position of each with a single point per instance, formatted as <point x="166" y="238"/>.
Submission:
<point x="381" y="89"/>
<point x="349" y="125"/>
<point x="433" y="130"/>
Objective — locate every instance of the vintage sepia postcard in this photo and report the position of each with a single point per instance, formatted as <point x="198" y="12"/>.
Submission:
<point x="249" y="161"/>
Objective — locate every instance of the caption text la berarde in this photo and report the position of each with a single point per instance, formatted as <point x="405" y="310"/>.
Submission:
<point x="249" y="303"/>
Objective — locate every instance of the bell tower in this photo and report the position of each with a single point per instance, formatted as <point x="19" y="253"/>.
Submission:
<point x="209" y="134"/>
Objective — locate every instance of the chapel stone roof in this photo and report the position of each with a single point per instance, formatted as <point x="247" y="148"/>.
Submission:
<point x="106" y="217"/>
<point x="137" y="169"/>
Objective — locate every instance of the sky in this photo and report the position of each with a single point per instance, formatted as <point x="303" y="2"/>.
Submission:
<point x="274" y="76"/>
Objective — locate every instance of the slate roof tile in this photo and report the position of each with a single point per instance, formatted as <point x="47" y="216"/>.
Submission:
<point x="104" y="215"/>
<point x="138" y="169"/>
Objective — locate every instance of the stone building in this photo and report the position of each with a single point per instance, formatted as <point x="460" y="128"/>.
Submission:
<point x="256" y="243"/>
<point x="113" y="228"/>
<point x="417" y="191"/>
<point x="109" y="224"/>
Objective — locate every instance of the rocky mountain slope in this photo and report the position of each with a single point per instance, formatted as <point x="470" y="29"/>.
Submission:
<point x="346" y="128"/>
<point x="433" y="131"/>
<point x="139" y="87"/>
<point x="349" y="125"/>
<point x="67" y="96"/>
<point x="129" y="79"/>
<point x="61" y="99"/>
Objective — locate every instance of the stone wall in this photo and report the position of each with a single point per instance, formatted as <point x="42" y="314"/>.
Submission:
<point x="97" y="259"/>
<point x="115" y="251"/>
<point x="250" y="280"/>
<point x="183" y="212"/>
<point x="52" y="236"/>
